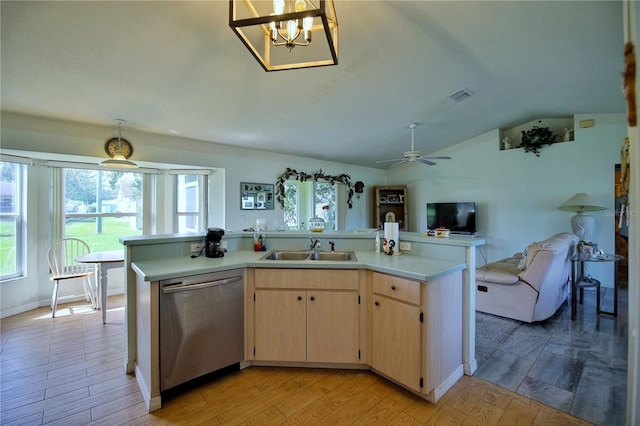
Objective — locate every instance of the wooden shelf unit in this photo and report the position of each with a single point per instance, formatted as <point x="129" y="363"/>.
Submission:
<point x="391" y="202"/>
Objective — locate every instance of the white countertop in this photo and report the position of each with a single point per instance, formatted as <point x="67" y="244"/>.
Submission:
<point x="453" y="240"/>
<point x="407" y="266"/>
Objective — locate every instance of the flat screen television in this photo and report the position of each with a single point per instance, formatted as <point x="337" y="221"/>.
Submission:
<point x="459" y="217"/>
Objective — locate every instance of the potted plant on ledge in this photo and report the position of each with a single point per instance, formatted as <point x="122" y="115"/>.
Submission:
<point x="536" y="138"/>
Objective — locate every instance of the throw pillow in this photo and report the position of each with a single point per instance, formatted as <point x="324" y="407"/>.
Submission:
<point x="523" y="260"/>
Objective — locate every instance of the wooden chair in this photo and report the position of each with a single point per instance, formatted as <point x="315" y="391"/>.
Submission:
<point x="62" y="261"/>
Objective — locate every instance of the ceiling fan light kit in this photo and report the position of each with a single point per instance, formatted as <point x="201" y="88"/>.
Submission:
<point x="413" y="155"/>
<point x="287" y="34"/>
<point x="119" y="150"/>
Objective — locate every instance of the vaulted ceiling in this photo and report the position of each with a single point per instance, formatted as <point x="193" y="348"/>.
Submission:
<point x="177" y="68"/>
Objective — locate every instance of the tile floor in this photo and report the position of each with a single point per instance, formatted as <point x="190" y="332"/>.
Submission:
<point x="578" y="367"/>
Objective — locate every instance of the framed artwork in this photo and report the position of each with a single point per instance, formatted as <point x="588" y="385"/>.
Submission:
<point x="256" y="196"/>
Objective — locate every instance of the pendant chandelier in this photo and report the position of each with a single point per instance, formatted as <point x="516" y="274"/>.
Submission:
<point x="279" y="33"/>
<point x="119" y="150"/>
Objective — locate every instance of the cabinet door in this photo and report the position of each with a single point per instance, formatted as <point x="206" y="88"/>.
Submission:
<point x="332" y="326"/>
<point x="280" y="325"/>
<point x="396" y="341"/>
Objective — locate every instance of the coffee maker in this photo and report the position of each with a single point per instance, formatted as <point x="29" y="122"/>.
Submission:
<point x="212" y="244"/>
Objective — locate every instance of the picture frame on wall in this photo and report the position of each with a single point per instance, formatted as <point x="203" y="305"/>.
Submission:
<point x="256" y="196"/>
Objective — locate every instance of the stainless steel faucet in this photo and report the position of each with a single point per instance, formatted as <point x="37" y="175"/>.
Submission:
<point x="315" y="244"/>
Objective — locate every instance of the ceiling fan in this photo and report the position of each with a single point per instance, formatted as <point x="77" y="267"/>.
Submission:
<point x="413" y="155"/>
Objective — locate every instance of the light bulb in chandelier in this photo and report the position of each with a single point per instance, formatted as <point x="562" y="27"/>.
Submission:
<point x="278" y="7"/>
<point x="293" y="28"/>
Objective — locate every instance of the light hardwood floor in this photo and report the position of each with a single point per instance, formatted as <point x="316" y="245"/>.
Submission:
<point x="69" y="371"/>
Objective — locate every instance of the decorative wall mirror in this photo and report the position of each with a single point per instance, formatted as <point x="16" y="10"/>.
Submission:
<point x="256" y="196"/>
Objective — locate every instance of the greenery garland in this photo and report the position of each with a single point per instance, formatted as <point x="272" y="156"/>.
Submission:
<point x="291" y="174"/>
<point x="534" y="139"/>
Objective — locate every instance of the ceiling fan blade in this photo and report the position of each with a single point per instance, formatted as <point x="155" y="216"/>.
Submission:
<point x="425" y="161"/>
<point x="414" y="155"/>
<point x="397" y="164"/>
<point x="387" y="161"/>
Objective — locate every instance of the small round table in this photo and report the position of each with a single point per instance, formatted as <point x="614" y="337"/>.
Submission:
<point x="105" y="260"/>
<point x="579" y="281"/>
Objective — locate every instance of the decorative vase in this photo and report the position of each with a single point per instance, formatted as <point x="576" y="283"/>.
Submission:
<point x="506" y="143"/>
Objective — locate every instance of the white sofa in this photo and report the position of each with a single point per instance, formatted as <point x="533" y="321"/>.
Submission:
<point x="529" y="286"/>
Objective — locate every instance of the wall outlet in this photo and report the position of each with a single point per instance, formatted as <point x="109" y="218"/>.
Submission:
<point x="223" y="245"/>
<point x="405" y="246"/>
<point x="196" y="247"/>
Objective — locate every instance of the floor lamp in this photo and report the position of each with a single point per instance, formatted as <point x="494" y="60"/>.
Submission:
<point x="582" y="224"/>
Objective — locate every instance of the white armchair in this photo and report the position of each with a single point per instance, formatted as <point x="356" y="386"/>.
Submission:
<point x="528" y="286"/>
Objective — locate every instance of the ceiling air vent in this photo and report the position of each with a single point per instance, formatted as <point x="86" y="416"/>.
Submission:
<point x="461" y="95"/>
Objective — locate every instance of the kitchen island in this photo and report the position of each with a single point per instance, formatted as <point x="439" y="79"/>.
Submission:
<point x="388" y="290"/>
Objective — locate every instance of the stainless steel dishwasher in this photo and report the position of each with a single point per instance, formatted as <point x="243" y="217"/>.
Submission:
<point x="201" y="325"/>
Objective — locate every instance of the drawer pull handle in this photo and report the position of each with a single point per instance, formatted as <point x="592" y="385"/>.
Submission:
<point x="393" y="287"/>
<point x="299" y="297"/>
<point x="376" y="303"/>
<point x="313" y="298"/>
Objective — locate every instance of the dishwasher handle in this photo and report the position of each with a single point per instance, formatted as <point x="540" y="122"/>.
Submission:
<point x="174" y="288"/>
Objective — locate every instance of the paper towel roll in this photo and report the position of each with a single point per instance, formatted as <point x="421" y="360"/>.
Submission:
<point x="392" y="233"/>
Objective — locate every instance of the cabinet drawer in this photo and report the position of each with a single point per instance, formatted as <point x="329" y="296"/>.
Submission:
<point x="397" y="288"/>
<point x="330" y="279"/>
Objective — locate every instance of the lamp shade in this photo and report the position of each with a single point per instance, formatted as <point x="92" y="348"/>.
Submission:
<point x="582" y="202"/>
<point x="582" y="224"/>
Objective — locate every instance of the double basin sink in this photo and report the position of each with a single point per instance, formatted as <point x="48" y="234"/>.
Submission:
<point x="333" y="256"/>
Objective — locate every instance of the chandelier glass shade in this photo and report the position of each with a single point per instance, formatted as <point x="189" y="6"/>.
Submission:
<point x="119" y="162"/>
<point x="287" y="34"/>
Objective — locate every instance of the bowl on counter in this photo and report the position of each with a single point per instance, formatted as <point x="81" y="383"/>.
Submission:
<point x="442" y="233"/>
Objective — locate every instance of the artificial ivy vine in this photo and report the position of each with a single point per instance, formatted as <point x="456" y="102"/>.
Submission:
<point x="291" y="174"/>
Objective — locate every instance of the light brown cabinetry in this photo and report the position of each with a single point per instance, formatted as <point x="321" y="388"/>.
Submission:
<point x="306" y="315"/>
<point x="416" y="331"/>
<point x="391" y="206"/>
<point x="408" y="331"/>
<point x="280" y="325"/>
<point x="396" y="326"/>
<point x="332" y="326"/>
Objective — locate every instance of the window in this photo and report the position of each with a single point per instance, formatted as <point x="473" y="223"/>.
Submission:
<point x="324" y="203"/>
<point x="190" y="202"/>
<point x="100" y="206"/>
<point x="12" y="225"/>
<point x="303" y="200"/>
<point x="291" y="216"/>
